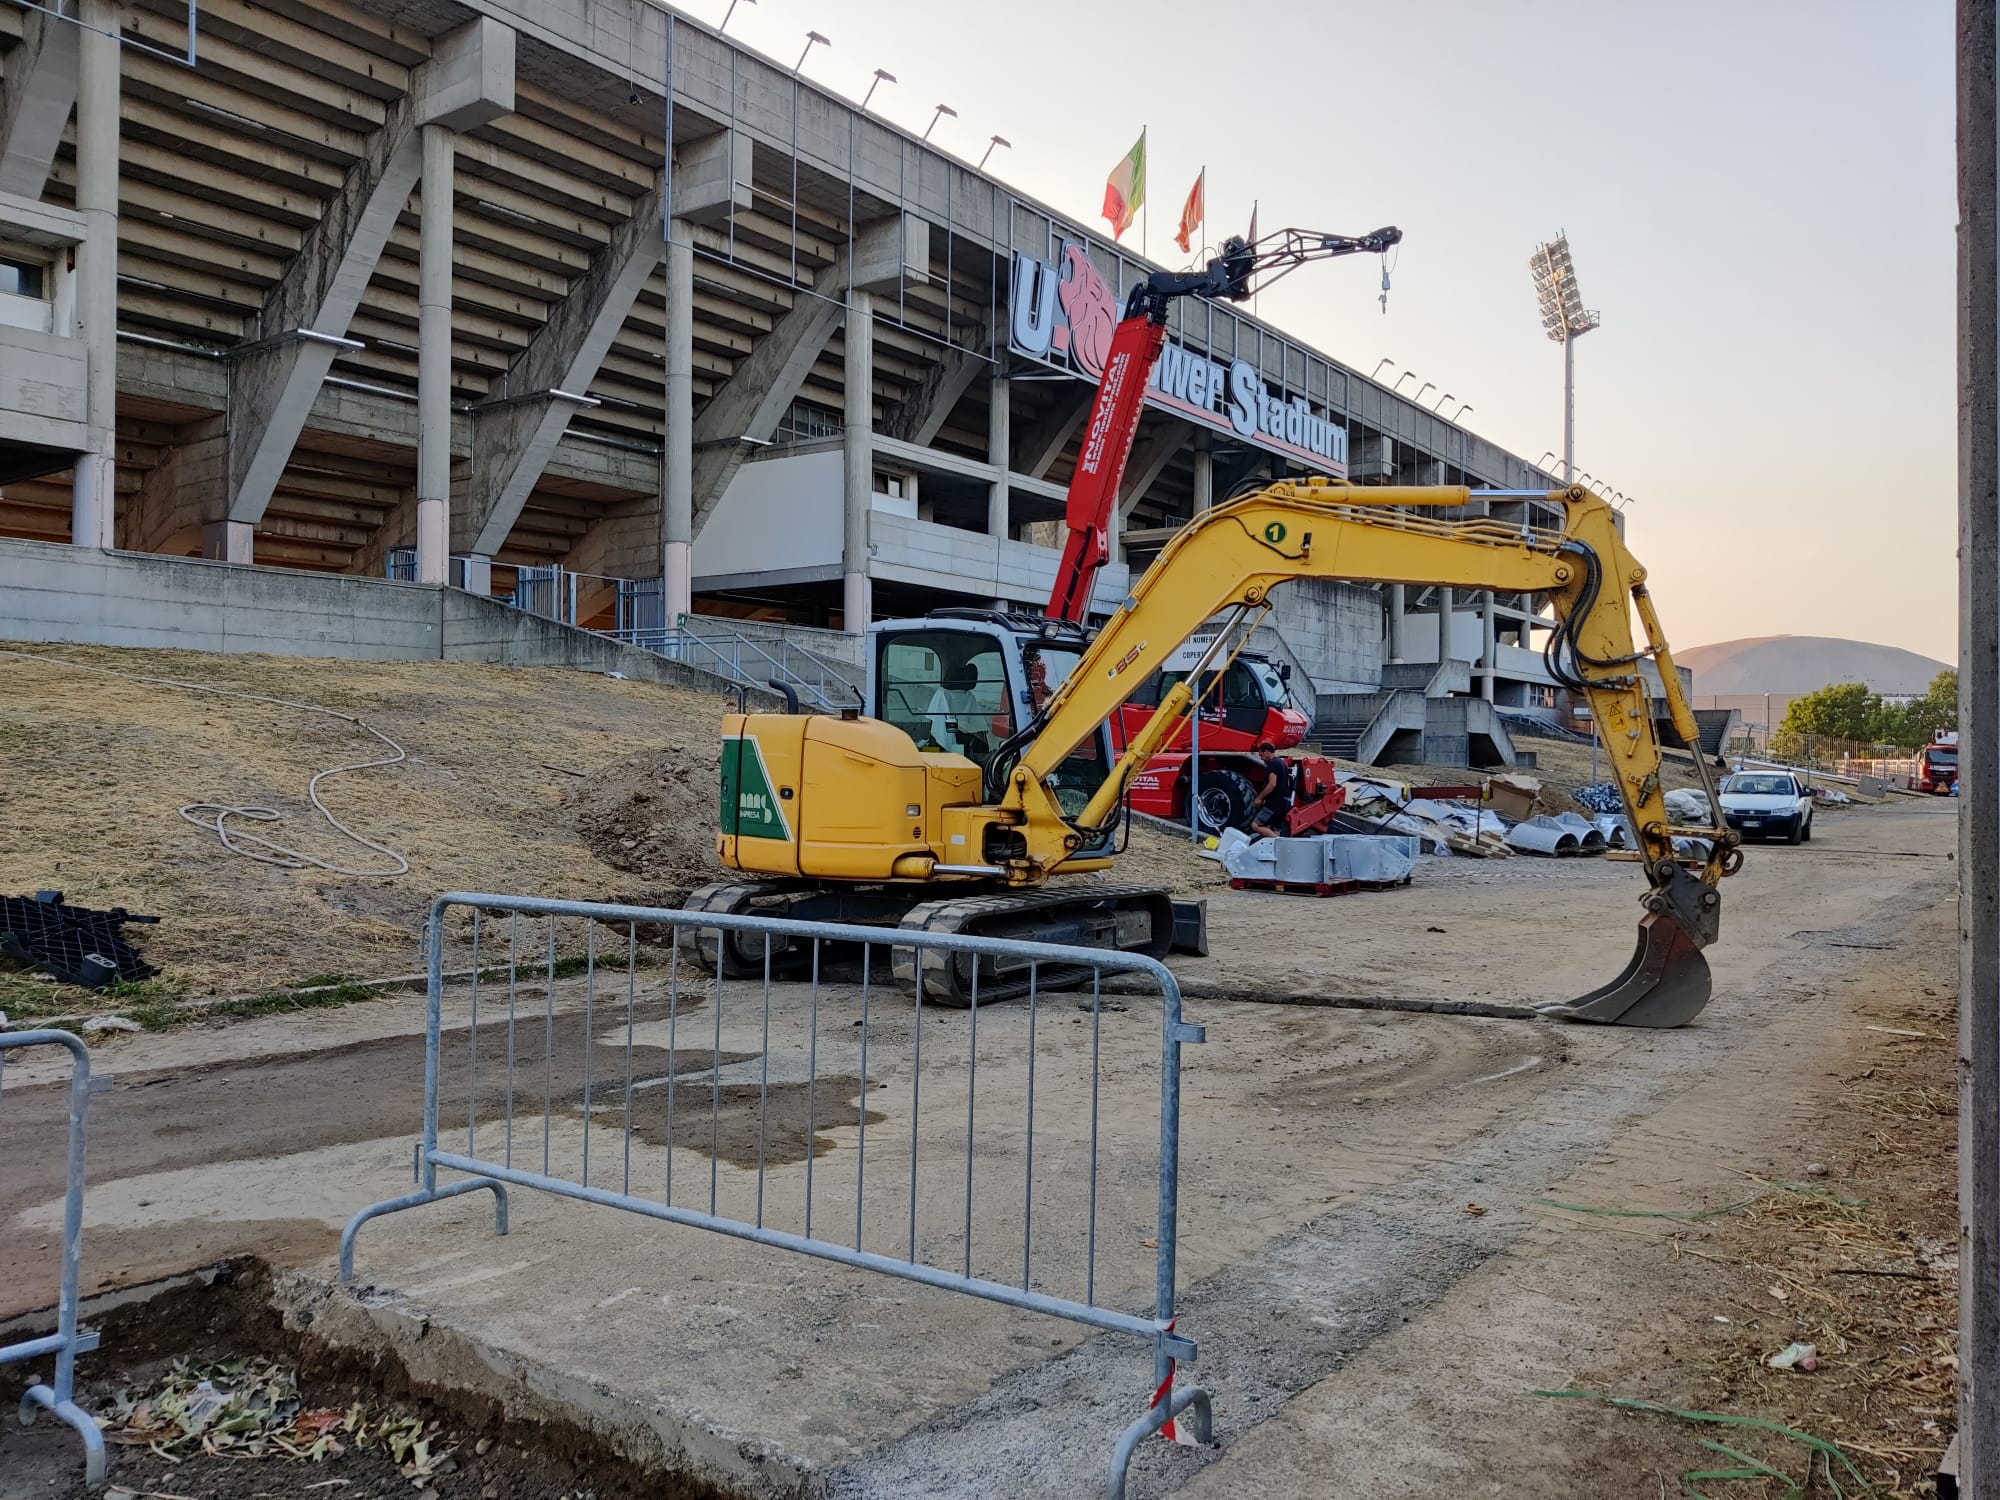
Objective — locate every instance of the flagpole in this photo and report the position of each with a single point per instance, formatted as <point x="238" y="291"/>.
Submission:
<point x="1145" y="202"/>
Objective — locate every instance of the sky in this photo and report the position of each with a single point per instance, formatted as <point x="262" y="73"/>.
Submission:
<point x="1758" y="195"/>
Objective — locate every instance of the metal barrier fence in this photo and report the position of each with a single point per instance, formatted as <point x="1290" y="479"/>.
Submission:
<point x="844" y="1024"/>
<point x="68" y="1340"/>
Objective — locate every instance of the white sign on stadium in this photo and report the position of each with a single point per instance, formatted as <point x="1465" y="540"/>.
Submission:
<point x="1063" y="316"/>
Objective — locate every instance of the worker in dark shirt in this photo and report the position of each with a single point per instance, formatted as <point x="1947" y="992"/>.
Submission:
<point x="1273" y="805"/>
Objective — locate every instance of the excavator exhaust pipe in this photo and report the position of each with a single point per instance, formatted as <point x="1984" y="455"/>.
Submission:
<point x="1667" y="982"/>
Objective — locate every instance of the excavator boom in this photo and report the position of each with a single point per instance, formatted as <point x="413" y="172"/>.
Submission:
<point x="948" y="813"/>
<point x="1230" y="558"/>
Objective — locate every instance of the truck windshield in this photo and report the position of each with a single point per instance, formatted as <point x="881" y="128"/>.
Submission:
<point x="1941" y="757"/>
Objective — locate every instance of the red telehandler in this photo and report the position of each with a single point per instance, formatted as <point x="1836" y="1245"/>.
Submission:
<point x="1247" y="702"/>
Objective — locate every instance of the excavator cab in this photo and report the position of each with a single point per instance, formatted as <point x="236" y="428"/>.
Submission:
<point x="967" y="682"/>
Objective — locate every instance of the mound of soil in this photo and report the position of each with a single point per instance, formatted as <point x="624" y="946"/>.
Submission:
<point x="653" y="815"/>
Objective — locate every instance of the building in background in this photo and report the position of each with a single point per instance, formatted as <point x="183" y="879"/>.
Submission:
<point x="391" y="297"/>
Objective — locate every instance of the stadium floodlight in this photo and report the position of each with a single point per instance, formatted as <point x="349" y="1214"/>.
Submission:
<point x="942" y="111"/>
<point x="882" y="76"/>
<point x="1564" y="320"/>
<point x="992" y="141"/>
<point x="732" y="11"/>
<point x="813" y="39"/>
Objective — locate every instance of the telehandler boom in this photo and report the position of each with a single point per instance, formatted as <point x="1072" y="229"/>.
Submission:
<point x="846" y="817"/>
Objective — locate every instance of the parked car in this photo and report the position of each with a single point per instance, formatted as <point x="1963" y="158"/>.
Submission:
<point x="1767" y="804"/>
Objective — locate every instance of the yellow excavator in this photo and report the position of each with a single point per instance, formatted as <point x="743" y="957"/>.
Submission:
<point x="982" y="771"/>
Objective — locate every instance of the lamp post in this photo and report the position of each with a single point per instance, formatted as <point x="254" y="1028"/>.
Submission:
<point x="991" y="142"/>
<point x="1377" y="373"/>
<point x="813" y="39"/>
<point x="1406" y="375"/>
<point x="1564" y="320"/>
<point x="942" y="111"/>
<point x="732" y="11"/>
<point x="882" y="76"/>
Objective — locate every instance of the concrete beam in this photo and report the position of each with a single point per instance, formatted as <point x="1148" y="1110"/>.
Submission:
<point x="35" y="100"/>
<point x="468" y="81"/>
<point x="516" y="430"/>
<point x="747" y="409"/>
<point x="1043" y="443"/>
<point x="918" y="417"/>
<point x="711" y="179"/>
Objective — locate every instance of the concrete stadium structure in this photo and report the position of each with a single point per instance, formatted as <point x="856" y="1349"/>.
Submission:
<point x="466" y="293"/>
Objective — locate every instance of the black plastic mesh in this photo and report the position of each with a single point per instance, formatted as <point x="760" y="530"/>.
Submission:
<point x="74" y="943"/>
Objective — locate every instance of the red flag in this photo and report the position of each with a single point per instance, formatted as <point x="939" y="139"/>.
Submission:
<point x="1192" y="214"/>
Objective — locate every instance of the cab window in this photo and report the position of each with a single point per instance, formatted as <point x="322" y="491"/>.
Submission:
<point x="947" y="690"/>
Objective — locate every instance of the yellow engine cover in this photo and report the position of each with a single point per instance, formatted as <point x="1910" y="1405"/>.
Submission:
<point x="837" y="799"/>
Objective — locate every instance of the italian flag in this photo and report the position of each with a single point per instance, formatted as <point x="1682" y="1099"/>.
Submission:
<point x="1125" y="189"/>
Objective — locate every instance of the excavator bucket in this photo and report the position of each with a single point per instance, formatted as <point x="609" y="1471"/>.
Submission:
<point x="1667" y="982"/>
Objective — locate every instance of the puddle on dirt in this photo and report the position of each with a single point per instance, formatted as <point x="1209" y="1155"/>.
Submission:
<point x="727" y="1119"/>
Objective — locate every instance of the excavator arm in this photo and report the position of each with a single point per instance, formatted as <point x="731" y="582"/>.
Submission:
<point x="1230" y="558"/>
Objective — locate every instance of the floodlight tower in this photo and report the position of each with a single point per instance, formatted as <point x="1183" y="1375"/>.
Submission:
<point x="1564" y="320"/>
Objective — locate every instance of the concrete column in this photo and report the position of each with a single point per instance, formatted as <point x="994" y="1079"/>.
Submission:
<point x="434" y="359"/>
<point x="1979" y="756"/>
<point x="1487" y="640"/>
<point x="1445" y="605"/>
<point x="1398" y="609"/>
<point x="677" y="460"/>
<point x="228" y="541"/>
<point x="94" y="489"/>
<point x="1204" y="477"/>
<point x="856" y="596"/>
<point x="999" y="440"/>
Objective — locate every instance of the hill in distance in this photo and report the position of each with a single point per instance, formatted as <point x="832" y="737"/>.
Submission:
<point x="1803" y="664"/>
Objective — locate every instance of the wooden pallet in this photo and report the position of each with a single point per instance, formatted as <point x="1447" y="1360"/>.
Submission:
<point x="1315" y="888"/>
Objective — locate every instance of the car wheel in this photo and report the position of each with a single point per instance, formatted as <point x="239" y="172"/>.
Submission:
<point x="1808" y="833"/>
<point x="1224" y="799"/>
<point x="1798" y="833"/>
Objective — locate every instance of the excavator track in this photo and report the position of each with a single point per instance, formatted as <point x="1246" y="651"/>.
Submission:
<point x="736" y="954"/>
<point x="1126" y="918"/>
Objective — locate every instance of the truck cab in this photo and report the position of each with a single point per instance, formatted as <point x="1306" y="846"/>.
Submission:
<point x="1937" y="765"/>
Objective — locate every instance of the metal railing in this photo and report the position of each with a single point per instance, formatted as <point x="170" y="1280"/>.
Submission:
<point x="68" y="1340"/>
<point x="751" y="663"/>
<point x="797" y="1006"/>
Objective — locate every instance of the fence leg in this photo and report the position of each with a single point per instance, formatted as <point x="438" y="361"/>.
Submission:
<point x="417" y="1200"/>
<point x="86" y="1428"/>
<point x="1200" y="1421"/>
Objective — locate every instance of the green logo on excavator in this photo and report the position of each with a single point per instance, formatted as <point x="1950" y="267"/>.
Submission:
<point x="1275" y="532"/>
<point x="749" y="802"/>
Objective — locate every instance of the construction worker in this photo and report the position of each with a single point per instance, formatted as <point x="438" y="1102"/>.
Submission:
<point x="1272" y="805"/>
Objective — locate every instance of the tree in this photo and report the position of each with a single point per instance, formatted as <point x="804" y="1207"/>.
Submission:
<point x="1841" y="711"/>
<point x="1937" y="709"/>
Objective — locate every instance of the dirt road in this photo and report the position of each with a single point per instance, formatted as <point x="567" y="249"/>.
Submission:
<point x="1348" y="1298"/>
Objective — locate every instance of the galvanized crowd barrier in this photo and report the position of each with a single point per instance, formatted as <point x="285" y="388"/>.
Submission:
<point x="835" y="1001"/>
<point x="68" y="1340"/>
